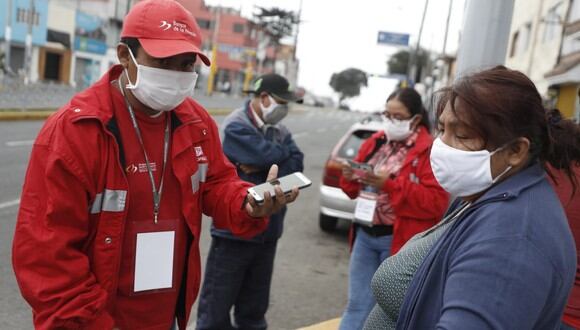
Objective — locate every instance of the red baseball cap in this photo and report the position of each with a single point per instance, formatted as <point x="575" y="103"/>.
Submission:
<point x="164" y="28"/>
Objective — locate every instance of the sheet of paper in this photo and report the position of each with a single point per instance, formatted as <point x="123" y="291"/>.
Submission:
<point x="365" y="210"/>
<point x="154" y="261"/>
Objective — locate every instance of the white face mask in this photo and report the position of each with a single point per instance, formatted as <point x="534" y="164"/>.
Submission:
<point x="397" y="130"/>
<point x="275" y="112"/>
<point x="462" y="173"/>
<point x="159" y="89"/>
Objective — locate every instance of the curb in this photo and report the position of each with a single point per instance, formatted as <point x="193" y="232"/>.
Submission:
<point x="42" y="114"/>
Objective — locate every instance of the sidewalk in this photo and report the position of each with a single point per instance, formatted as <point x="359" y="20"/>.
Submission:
<point x="326" y="325"/>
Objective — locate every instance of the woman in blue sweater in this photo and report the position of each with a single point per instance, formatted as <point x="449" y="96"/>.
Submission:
<point x="506" y="259"/>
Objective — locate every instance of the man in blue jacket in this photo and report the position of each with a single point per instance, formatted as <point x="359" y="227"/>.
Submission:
<point x="239" y="272"/>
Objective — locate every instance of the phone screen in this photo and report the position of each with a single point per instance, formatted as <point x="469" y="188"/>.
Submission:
<point x="286" y="183"/>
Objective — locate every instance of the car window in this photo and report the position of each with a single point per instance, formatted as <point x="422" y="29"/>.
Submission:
<point x="350" y="147"/>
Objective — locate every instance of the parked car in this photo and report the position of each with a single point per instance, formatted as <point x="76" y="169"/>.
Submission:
<point x="334" y="203"/>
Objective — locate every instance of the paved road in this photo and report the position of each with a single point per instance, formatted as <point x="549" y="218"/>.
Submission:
<point x="310" y="279"/>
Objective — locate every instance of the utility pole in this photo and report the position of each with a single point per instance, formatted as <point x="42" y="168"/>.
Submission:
<point x="297" y="30"/>
<point x="214" y="49"/>
<point x="28" y="50"/>
<point x="8" y="37"/>
<point x="443" y="51"/>
<point x="411" y="67"/>
<point x="485" y="34"/>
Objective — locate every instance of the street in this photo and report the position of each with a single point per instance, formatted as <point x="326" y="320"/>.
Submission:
<point x="310" y="277"/>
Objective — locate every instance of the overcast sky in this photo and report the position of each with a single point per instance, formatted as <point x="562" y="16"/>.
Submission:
<point x="339" y="34"/>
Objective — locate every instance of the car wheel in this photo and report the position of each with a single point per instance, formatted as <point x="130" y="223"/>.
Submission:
<point x="326" y="223"/>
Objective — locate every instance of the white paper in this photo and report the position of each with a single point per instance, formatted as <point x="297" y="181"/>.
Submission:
<point x="154" y="261"/>
<point x="365" y="210"/>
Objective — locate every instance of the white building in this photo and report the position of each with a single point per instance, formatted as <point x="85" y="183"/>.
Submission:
<point x="535" y="38"/>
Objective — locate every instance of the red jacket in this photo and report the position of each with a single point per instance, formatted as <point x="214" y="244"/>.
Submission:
<point x="68" y="239"/>
<point x="417" y="199"/>
<point x="571" y="204"/>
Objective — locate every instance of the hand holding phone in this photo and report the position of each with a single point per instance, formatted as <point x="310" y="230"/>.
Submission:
<point x="286" y="184"/>
<point x="360" y="170"/>
<point x="270" y="204"/>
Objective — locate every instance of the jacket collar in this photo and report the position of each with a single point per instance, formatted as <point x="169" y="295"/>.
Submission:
<point x="513" y="186"/>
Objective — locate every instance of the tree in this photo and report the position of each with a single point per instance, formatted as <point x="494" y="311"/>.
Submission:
<point x="277" y="23"/>
<point x="348" y="82"/>
<point x="398" y="62"/>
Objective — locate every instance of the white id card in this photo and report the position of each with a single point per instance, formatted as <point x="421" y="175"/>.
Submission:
<point x="365" y="211"/>
<point x="154" y="261"/>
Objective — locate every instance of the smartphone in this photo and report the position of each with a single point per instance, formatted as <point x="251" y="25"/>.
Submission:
<point x="360" y="166"/>
<point x="286" y="183"/>
<point x="360" y="169"/>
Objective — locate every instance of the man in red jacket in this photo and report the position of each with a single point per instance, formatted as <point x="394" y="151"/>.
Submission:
<point x="110" y="215"/>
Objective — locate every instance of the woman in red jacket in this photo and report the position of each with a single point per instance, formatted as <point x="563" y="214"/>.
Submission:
<point x="397" y="199"/>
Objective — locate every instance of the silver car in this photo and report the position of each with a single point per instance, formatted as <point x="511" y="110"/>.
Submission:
<point x="334" y="203"/>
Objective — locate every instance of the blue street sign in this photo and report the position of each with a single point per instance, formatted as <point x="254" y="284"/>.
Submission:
<point x="390" y="38"/>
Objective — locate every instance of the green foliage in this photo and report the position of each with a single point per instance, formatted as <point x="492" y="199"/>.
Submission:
<point x="348" y="82"/>
<point x="399" y="61"/>
<point x="278" y="23"/>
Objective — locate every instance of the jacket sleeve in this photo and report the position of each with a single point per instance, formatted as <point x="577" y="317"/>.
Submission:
<point x="421" y="197"/>
<point x="224" y="194"/>
<point x="488" y="288"/>
<point x="52" y="271"/>
<point x="246" y="146"/>
<point x="295" y="162"/>
<point x="352" y="188"/>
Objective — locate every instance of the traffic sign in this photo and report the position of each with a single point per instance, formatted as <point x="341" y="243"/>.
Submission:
<point x="391" y="38"/>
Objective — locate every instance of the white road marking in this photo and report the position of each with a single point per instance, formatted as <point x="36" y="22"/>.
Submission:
<point x="19" y="143"/>
<point x="9" y="204"/>
<point x="300" y="134"/>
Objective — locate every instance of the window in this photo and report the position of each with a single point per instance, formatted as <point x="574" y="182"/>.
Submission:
<point x="552" y="23"/>
<point x="527" y="34"/>
<point x="204" y="24"/>
<point x="515" y="40"/>
<point x="574" y="11"/>
<point x="25" y="16"/>
<point x="238" y="28"/>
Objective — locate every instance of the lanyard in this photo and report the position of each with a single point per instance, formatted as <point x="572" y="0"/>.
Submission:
<point x="156" y="192"/>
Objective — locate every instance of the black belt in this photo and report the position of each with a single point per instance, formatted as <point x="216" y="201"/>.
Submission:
<point x="378" y="231"/>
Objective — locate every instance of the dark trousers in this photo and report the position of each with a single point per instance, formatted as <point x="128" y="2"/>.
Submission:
<point x="238" y="274"/>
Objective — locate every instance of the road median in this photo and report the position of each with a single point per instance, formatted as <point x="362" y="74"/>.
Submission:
<point x="42" y="114"/>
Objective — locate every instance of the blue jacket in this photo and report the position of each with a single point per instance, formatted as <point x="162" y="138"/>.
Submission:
<point x="245" y="143"/>
<point x="507" y="263"/>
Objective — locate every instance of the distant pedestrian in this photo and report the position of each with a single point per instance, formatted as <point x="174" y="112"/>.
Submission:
<point x="239" y="271"/>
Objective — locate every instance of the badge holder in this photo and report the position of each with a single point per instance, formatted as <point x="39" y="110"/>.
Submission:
<point x="153" y="264"/>
<point x="366" y="205"/>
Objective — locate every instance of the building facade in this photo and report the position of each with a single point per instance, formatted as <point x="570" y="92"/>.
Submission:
<point x="536" y="34"/>
<point x="545" y="45"/>
<point x="564" y="78"/>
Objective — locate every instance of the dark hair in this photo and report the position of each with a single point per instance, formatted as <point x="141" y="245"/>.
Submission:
<point x="133" y="44"/>
<point x="412" y="101"/>
<point x="501" y="105"/>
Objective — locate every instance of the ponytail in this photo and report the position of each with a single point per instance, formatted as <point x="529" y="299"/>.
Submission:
<point x="562" y="148"/>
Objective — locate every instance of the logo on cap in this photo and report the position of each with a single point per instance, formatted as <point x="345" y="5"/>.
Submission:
<point x="177" y="27"/>
<point x="165" y="26"/>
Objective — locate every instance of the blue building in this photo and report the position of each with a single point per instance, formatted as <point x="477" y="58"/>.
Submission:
<point x="22" y="17"/>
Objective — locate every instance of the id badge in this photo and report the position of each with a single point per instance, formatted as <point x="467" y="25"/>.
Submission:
<point x="366" y="205"/>
<point x="154" y="261"/>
